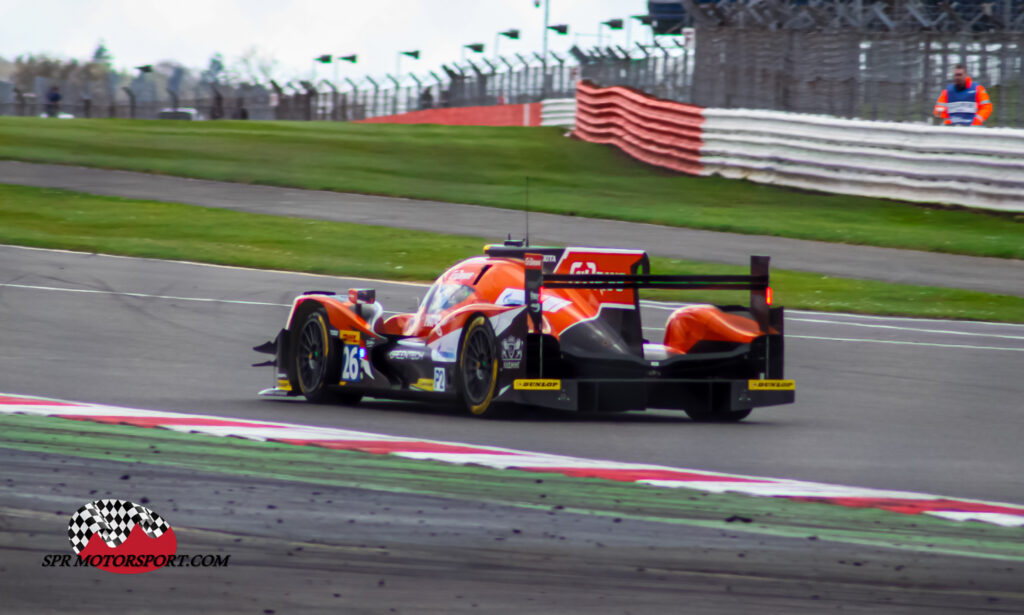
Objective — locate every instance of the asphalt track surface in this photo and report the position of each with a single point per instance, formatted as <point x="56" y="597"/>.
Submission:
<point x="903" y="404"/>
<point x="1001" y="276"/>
<point x="907" y="404"/>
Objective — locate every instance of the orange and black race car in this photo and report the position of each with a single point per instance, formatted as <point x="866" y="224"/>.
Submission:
<point x="537" y="326"/>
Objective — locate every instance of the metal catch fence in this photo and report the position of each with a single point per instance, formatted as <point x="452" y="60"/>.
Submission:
<point x="855" y="73"/>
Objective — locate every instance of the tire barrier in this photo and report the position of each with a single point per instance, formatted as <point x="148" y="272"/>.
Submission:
<point x="558" y="112"/>
<point x="965" y="166"/>
<point x="659" y="132"/>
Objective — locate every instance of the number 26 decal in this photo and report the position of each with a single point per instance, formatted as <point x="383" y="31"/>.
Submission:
<point x="350" y="363"/>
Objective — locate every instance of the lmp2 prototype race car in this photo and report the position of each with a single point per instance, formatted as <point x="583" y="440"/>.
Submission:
<point x="546" y="327"/>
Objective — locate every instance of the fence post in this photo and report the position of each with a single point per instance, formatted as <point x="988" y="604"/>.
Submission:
<point x="420" y="101"/>
<point x="310" y="98"/>
<point x="131" y="102"/>
<point x="217" y="110"/>
<point x="281" y="106"/>
<point x="394" y="97"/>
<point x="562" y="89"/>
<point x="355" y="101"/>
<point x="525" y="92"/>
<point x="19" y="106"/>
<point x="334" y="100"/>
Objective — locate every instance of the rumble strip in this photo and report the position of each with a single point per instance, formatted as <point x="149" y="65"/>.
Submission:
<point x="1007" y="515"/>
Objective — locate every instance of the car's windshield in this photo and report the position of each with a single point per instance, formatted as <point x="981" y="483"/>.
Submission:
<point x="440" y="297"/>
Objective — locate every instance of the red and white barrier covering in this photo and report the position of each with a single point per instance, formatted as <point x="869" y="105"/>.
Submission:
<point x="559" y="112"/>
<point x="1007" y="515"/>
<point x="659" y="132"/>
<point x="968" y="166"/>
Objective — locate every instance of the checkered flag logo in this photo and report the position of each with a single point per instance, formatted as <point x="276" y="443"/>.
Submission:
<point x="113" y="520"/>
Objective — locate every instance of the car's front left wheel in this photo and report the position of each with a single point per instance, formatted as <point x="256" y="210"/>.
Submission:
<point x="477" y="375"/>
<point x="313" y="359"/>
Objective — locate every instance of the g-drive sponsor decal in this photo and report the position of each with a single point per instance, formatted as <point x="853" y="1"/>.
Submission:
<point x="125" y="538"/>
<point x="402" y="354"/>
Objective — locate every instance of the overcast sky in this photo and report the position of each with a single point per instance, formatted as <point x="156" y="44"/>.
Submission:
<point x="295" y="31"/>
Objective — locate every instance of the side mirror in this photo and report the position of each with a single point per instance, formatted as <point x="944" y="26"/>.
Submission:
<point x="362" y="295"/>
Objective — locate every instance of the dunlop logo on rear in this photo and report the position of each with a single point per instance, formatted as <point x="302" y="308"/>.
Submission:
<point x="536" y="384"/>
<point x="771" y="385"/>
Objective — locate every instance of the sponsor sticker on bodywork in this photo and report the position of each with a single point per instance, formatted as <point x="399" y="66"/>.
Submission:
<point x="423" y="384"/>
<point x="771" y="385"/>
<point x="402" y="354"/>
<point x="350" y="359"/>
<point x="537" y="384"/>
<point x="511" y="352"/>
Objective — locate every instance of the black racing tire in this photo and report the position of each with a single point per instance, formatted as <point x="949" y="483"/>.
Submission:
<point x="314" y="358"/>
<point x="345" y="397"/>
<point x="477" y="373"/>
<point x="705" y="416"/>
<point x="714" y="408"/>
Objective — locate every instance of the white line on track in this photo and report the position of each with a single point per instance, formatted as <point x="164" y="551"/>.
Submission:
<point x="808" y="337"/>
<point x="903" y="318"/>
<point x="216" y="266"/>
<point x="899" y="342"/>
<point x="867" y="341"/>
<point x="141" y="295"/>
<point x="665" y="305"/>
<point x="942" y="331"/>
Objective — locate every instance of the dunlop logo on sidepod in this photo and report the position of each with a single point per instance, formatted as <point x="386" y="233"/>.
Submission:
<point x="537" y="385"/>
<point x="771" y="385"/>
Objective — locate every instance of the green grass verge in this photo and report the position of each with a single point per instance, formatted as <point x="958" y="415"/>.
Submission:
<point x="488" y="166"/>
<point x="539" y="491"/>
<point x="50" y="218"/>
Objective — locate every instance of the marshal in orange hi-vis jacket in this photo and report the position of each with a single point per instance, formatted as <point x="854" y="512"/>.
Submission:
<point x="963" y="102"/>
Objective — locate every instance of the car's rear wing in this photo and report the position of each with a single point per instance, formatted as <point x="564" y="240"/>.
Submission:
<point x="757" y="283"/>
